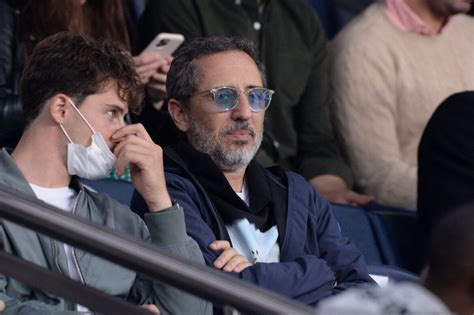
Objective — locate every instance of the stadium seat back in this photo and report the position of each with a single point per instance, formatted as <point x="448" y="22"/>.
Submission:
<point x="120" y="190"/>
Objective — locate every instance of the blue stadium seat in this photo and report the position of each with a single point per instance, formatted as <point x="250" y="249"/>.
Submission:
<point x="400" y="227"/>
<point x="385" y="235"/>
<point x="381" y="236"/>
<point x="356" y="224"/>
<point x="120" y="190"/>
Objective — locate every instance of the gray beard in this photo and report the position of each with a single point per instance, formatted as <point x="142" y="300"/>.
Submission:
<point x="230" y="158"/>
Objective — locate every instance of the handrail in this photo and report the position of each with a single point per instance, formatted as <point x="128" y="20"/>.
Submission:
<point x="60" y="285"/>
<point x="144" y="258"/>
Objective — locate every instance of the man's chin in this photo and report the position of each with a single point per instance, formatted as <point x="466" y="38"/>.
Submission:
<point x="241" y="143"/>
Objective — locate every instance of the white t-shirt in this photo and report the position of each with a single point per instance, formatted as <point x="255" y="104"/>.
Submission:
<point x="249" y="241"/>
<point x="62" y="198"/>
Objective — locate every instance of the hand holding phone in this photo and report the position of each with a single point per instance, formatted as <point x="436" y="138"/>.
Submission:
<point x="165" y="44"/>
<point x="148" y="63"/>
<point x="153" y="62"/>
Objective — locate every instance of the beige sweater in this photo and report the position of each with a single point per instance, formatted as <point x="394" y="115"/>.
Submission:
<point x="387" y="83"/>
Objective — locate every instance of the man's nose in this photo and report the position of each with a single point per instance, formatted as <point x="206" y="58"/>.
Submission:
<point x="242" y="111"/>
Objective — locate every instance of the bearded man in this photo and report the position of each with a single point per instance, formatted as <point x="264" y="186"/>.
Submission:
<point x="272" y="217"/>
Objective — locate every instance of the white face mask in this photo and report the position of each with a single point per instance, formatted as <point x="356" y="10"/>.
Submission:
<point x="92" y="162"/>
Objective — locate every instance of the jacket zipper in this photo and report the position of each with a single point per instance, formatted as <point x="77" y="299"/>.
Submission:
<point x="55" y="255"/>
<point x="54" y="245"/>
<point x="72" y="248"/>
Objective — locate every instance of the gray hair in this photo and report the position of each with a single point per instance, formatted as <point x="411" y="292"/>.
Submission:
<point x="183" y="77"/>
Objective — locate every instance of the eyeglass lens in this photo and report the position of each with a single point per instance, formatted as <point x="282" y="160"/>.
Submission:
<point x="227" y="98"/>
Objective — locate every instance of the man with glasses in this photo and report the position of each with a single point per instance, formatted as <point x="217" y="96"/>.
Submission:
<point x="273" y="217"/>
<point x="299" y="134"/>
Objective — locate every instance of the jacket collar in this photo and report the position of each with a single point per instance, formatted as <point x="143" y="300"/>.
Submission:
<point x="229" y="206"/>
<point x="12" y="177"/>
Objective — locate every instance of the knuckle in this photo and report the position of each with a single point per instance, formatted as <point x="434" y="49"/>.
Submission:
<point x="158" y="150"/>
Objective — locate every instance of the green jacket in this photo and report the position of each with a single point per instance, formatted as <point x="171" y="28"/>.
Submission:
<point x="165" y="229"/>
<point x="292" y="45"/>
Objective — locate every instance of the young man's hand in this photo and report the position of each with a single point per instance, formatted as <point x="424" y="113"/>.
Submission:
<point x="229" y="260"/>
<point x="134" y="146"/>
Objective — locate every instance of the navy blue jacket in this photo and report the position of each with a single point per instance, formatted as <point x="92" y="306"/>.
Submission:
<point x="316" y="261"/>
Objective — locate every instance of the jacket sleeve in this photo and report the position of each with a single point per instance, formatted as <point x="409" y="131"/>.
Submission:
<point x="343" y="257"/>
<point x="167" y="231"/>
<point x="17" y="307"/>
<point x="307" y="278"/>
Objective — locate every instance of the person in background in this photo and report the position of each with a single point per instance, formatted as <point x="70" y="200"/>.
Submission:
<point x="445" y="286"/>
<point x="24" y="23"/>
<point x="390" y="68"/>
<point x="292" y="45"/>
<point x="445" y="163"/>
<point x="75" y="93"/>
<point x="272" y="217"/>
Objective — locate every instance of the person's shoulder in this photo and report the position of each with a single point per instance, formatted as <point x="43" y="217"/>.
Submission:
<point x="176" y="173"/>
<point x="370" y="37"/>
<point x="178" y="179"/>
<point x="112" y="211"/>
<point x="462" y="21"/>
<point x="177" y="170"/>
<point x="366" y="29"/>
<point x="298" y="8"/>
<point x="301" y="15"/>
<point x="287" y="178"/>
<point x="175" y="176"/>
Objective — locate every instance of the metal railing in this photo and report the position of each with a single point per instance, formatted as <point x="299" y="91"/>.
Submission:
<point x="55" y="283"/>
<point x="143" y="258"/>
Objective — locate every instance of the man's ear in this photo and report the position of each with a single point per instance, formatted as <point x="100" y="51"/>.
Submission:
<point x="58" y="107"/>
<point x="180" y="114"/>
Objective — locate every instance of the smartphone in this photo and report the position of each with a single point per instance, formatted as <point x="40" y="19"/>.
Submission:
<point x="165" y="43"/>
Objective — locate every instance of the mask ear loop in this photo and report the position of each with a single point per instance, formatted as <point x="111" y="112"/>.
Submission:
<point x="82" y="116"/>
<point x="65" y="133"/>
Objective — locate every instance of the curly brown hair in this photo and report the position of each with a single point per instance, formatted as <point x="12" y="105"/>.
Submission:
<point x="77" y="66"/>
